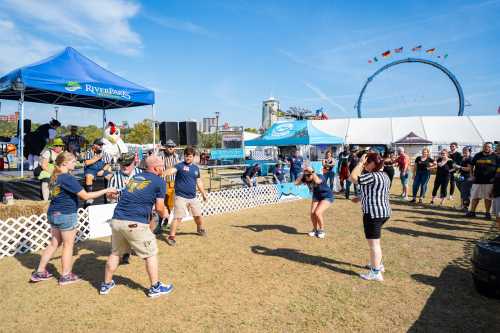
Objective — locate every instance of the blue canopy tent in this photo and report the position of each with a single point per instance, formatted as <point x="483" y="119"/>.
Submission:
<point x="71" y="79"/>
<point x="291" y="133"/>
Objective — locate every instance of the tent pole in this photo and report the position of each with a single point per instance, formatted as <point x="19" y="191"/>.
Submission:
<point x="21" y="134"/>
<point x="103" y="121"/>
<point x="154" y="128"/>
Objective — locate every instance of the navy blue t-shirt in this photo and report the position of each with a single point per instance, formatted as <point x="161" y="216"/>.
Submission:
<point x="63" y="198"/>
<point x="185" y="180"/>
<point x="137" y="200"/>
<point x="321" y="191"/>
<point x="296" y="164"/>
<point x="279" y="173"/>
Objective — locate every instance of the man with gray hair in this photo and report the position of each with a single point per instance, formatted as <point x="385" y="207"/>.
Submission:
<point x="130" y="225"/>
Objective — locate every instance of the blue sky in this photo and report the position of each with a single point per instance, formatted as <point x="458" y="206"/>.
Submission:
<point x="227" y="56"/>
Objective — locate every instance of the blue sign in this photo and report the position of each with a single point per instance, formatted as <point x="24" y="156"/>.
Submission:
<point x="227" y="154"/>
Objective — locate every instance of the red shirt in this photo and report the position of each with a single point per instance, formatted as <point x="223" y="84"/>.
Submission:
<point x="403" y="162"/>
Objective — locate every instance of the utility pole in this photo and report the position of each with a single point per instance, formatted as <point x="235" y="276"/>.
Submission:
<point x="217" y="113"/>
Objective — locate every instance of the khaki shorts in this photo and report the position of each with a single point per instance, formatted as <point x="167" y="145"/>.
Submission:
<point x="481" y="191"/>
<point x="181" y="205"/>
<point x="131" y="235"/>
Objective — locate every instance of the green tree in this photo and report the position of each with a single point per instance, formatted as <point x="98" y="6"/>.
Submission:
<point x="252" y="130"/>
<point x="207" y="140"/>
<point x="141" y="133"/>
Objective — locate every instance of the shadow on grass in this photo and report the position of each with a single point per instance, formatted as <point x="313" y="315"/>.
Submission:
<point x="88" y="266"/>
<point x="303" y="258"/>
<point x="454" y="305"/>
<point x="417" y="233"/>
<point x="450" y="225"/>
<point x="265" y="227"/>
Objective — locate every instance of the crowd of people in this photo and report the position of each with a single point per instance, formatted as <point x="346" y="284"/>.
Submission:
<point x="147" y="191"/>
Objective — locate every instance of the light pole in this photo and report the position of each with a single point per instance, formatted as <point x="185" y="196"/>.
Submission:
<point x="56" y="108"/>
<point x="217" y="113"/>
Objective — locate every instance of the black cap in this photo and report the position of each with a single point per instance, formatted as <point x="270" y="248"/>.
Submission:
<point x="98" y="142"/>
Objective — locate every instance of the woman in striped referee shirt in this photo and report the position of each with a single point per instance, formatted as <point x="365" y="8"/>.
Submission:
<point x="374" y="185"/>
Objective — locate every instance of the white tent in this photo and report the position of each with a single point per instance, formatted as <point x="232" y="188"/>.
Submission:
<point x="470" y="130"/>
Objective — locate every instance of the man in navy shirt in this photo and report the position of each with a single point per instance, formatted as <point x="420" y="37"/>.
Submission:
<point x="249" y="177"/>
<point x="187" y="179"/>
<point x="295" y="162"/>
<point x="130" y="225"/>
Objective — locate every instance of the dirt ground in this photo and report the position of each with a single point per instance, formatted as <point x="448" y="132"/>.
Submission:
<point x="258" y="271"/>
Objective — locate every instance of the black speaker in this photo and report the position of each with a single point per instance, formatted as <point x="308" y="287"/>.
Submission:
<point x="169" y="130"/>
<point x="188" y="135"/>
<point x="27" y="126"/>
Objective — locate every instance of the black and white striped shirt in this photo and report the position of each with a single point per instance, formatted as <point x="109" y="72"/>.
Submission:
<point x="169" y="161"/>
<point x="374" y="194"/>
<point x="106" y="158"/>
<point x="119" y="180"/>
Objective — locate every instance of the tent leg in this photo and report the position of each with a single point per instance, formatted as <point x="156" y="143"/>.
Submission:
<point x="154" y="128"/>
<point x="21" y="134"/>
<point x="103" y="121"/>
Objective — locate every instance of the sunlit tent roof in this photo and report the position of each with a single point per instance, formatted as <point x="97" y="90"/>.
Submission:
<point x="439" y="130"/>
<point x="412" y="139"/>
<point x="299" y="132"/>
<point x="71" y="79"/>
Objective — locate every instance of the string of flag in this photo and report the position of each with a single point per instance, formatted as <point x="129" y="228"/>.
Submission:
<point x="418" y="48"/>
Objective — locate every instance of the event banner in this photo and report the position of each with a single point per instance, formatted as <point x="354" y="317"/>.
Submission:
<point x="227" y="154"/>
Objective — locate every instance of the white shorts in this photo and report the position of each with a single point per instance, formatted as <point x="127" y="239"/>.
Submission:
<point x="481" y="191"/>
<point x="182" y="205"/>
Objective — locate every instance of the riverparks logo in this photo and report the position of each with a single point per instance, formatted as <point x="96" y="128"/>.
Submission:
<point x="282" y="130"/>
<point x="108" y="92"/>
<point x="72" y="86"/>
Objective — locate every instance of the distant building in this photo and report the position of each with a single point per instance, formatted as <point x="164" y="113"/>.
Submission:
<point x="209" y="125"/>
<point x="270" y="108"/>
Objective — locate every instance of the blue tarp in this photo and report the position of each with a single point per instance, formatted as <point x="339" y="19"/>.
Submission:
<point x="298" y="132"/>
<point x="71" y="79"/>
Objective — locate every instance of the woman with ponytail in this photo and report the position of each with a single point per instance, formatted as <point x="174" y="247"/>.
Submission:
<point x="62" y="216"/>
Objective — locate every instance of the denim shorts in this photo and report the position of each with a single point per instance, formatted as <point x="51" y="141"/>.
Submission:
<point x="63" y="222"/>
<point x="404" y="179"/>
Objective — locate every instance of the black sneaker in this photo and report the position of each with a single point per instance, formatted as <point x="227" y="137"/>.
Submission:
<point x="125" y="260"/>
<point x="470" y="214"/>
<point x="413" y="201"/>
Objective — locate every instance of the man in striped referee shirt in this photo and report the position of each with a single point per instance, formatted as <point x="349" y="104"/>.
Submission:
<point x="97" y="164"/>
<point x="170" y="159"/>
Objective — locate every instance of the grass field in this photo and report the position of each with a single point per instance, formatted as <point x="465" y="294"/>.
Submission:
<point x="259" y="271"/>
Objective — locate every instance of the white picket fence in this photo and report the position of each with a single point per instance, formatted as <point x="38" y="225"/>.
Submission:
<point x="31" y="234"/>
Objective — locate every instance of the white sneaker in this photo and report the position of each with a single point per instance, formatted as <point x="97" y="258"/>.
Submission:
<point x="372" y="276"/>
<point x="381" y="267"/>
<point x="321" y="234"/>
<point x="312" y="233"/>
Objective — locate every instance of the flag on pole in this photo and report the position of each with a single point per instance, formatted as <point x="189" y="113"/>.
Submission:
<point x="417" y="48"/>
<point x="370" y="61"/>
<point x="430" y="51"/>
<point x="375" y="59"/>
<point x="386" y="54"/>
<point x="399" y="50"/>
<point x="445" y="56"/>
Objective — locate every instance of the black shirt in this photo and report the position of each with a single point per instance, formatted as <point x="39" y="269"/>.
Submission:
<point x="484" y="168"/>
<point x="496" y="182"/>
<point x="423" y="165"/>
<point x="353" y="161"/>
<point x="466" y="162"/>
<point x="456" y="157"/>
<point x="251" y="171"/>
<point x="444" y="170"/>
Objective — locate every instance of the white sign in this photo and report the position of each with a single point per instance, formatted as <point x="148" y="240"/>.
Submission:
<point x="99" y="216"/>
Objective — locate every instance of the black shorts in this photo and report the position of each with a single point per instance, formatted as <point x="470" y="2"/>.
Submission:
<point x="373" y="226"/>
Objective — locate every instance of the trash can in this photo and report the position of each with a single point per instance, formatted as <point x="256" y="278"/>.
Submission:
<point x="486" y="268"/>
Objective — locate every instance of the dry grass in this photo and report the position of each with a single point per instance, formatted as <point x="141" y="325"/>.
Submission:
<point x="23" y="208"/>
<point x="258" y="271"/>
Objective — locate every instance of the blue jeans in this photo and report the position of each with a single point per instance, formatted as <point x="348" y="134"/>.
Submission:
<point x="329" y="178"/>
<point x="63" y="222"/>
<point x="294" y="176"/>
<point x="348" y="189"/>
<point x="420" y="182"/>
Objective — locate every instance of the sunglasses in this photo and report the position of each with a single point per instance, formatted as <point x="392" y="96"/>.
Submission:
<point x="308" y="174"/>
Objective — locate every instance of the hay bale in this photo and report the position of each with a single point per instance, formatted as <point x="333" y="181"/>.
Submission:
<point x="23" y="208"/>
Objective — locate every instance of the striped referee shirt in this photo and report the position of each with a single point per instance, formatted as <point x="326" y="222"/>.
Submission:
<point x="169" y="161"/>
<point x="119" y="180"/>
<point x="108" y="159"/>
<point x="374" y="193"/>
